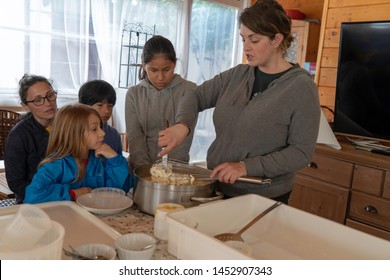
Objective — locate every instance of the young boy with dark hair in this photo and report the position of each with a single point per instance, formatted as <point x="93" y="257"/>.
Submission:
<point x="102" y="97"/>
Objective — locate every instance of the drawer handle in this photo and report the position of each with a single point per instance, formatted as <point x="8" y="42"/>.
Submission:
<point x="370" y="209"/>
<point x="312" y="165"/>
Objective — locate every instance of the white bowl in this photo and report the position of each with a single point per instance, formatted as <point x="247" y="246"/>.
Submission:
<point x="105" y="201"/>
<point x="108" y="191"/>
<point x="107" y="197"/>
<point x="91" y="250"/>
<point x="130" y="246"/>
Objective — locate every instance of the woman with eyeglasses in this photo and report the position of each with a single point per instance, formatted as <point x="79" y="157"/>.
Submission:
<point x="26" y="144"/>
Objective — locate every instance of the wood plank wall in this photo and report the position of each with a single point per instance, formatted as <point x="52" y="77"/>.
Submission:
<point x="335" y="12"/>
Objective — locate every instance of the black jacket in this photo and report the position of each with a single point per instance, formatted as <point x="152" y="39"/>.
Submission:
<point x="25" y="147"/>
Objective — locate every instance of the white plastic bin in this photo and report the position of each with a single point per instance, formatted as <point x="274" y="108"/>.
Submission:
<point x="284" y="233"/>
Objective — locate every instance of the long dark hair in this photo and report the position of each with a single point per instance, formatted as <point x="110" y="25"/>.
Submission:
<point x="157" y="45"/>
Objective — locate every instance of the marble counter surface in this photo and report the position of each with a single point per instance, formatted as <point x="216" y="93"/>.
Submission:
<point x="133" y="220"/>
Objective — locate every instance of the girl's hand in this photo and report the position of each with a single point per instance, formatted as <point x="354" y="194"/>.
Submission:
<point x="228" y="172"/>
<point x="106" y="151"/>
<point x="172" y="137"/>
<point x="81" y="191"/>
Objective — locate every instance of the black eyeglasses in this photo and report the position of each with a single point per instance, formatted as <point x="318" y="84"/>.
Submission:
<point x="40" y="100"/>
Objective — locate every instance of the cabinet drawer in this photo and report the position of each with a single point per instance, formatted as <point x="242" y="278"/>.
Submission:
<point x="372" y="210"/>
<point x="368" y="229"/>
<point x="329" y="170"/>
<point x="319" y="198"/>
<point x="368" y="180"/>
<point x="386" y="187"/>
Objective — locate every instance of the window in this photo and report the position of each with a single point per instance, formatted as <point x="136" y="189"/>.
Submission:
<point x="73" y="41"/>
<point x="213" y="49"/>
<point x="134" y="37"/>
<point x="51" y="38"/>
<point x="213" y="40"/>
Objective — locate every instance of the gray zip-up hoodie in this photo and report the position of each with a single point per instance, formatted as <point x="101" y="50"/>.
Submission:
<point x="145" y="109"/>
<point x="274" y="134"/>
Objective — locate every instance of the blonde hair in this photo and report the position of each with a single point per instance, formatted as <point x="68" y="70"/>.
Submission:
<point x="67" y="136"/>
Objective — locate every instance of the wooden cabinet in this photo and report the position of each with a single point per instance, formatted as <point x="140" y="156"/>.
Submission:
<point x="348" y="186"/>
<point x="320" y="198"/>
<point x="302" y="49"/>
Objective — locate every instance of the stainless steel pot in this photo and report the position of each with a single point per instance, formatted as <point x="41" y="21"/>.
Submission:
<point x="148" y="194"/>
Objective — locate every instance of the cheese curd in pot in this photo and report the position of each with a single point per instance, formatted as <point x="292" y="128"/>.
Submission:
<point x="167" y="176"/>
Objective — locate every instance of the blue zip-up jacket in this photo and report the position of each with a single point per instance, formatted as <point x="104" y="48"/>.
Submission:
<point x="53" y="180"/>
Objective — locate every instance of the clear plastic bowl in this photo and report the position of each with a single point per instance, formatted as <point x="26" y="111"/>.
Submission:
<point x="27" y="228"/>
<point x="49" y="247"/>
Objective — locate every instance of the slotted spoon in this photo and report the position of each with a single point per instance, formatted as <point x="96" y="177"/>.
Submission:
<point x="237" y="236"/>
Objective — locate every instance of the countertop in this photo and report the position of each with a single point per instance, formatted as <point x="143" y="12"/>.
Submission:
<point x="133" y="220"/>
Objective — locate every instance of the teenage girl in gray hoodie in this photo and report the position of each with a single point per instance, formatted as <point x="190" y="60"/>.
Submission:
<point x="266" y="112"/>
<point x="155" y="98"/>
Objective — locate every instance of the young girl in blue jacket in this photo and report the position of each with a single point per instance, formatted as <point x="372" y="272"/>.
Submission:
<point x="73" y="165"/>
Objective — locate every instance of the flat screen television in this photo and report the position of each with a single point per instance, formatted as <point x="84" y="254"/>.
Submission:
<point x="362" y="103"/>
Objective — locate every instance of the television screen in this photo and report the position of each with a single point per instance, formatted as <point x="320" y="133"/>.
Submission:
<point x="362" y="105"/>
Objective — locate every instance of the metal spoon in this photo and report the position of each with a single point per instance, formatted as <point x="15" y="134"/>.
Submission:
<point x="237" y="236"/>
<point x="147" y="247"/>
<point x="76" y="255"/>
<point x="165" y="157"/>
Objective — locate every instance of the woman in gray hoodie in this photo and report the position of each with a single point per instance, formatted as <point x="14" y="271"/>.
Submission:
<point x="266" y="113"/>
<point x="154" y="99"/>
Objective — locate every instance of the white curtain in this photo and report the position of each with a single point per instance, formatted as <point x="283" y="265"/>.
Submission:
<point x="76" y="32"/>
<point x="213" y="48"/>
<point x="107" y="22"/>
<point x="182" y="41"/>
<point x="107" y="19"/>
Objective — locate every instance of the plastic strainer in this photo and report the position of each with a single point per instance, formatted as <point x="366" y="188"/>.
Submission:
<point x="27" y="228"/>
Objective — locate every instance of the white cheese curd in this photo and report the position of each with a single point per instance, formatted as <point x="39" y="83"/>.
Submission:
<point x="167" y="176"/>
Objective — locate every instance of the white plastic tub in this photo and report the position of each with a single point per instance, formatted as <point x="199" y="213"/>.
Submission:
<point x="284" y="233"/>
<point x="81" y="227"/>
